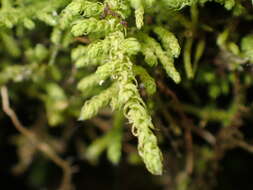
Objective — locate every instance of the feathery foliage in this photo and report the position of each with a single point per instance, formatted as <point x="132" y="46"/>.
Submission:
<point x="100" y="54"/>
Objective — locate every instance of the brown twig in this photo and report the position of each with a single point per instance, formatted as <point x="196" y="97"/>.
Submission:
<point x="186" y="124"/>
<point x="42" y="146"/>
<point x="227" y="136"/>
<point x="199" y="131"/>
<point x="244" y="145"/>
<point x="84" y="40"/>
<point x="101" y="124"/>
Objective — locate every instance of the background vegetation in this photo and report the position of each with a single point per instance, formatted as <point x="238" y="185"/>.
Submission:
<point x="126" y="94"/>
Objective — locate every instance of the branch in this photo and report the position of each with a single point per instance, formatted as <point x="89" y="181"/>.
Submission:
<point x="42" y="146"/>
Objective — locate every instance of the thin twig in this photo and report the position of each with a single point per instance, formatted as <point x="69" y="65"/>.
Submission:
<point x="186" y="124"/>
<point x="101" y="124"/>
<point x="199" y="131"/>
<point x="42" y="146"/>
<point x="244" y="145"/>
<point x="84" y="40"/>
